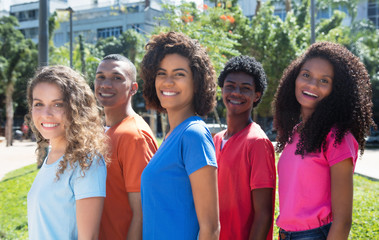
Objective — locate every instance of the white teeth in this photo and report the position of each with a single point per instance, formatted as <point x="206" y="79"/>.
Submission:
<point x="106" y="94"/>
<point x="169" y="93"/>
<point x="50" y="124"/>
<point x="310" y="94"/>
<point x="235" y="102"/>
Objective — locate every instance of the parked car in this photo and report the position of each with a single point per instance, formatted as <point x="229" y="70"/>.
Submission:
<point x="373" y="139"/>
<point x="271" y="134"/>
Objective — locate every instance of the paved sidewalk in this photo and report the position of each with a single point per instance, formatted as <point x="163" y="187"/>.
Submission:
<point x="23" y="153"/>
<point x="368" y="165"/>
<point x="19" y="155"/>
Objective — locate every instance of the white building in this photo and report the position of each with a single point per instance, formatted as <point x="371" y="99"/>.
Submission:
<point x="28" y="16"/>
<point x="102" y="21"/>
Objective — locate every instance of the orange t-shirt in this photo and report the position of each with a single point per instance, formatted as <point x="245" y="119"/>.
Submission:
<point x="132" y="147"/>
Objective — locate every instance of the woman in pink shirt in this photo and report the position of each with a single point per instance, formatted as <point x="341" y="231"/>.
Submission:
<point x="322" y="114"/>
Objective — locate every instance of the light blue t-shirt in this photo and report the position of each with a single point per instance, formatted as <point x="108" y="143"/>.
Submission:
<point x="52" y="203"/>
<point x="167" y="202"/>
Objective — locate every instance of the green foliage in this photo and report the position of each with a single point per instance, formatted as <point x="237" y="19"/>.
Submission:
<point x="211" y="26"/>
<point x="15" y="186"/>
<point x="275" y="44"/>
<point x="13" y="203"/>
<point x="17" y="62"/>
<point x="366" y="209"/>
<point x="130" y="44"/>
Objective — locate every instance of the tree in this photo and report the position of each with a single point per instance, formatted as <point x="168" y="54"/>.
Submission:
<point x="15" y="52"/>
<point x="212" y="27"/>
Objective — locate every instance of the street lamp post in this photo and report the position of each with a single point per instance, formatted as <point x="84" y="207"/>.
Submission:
<point x="43" y="37"/>
<point x="70" y="11"/>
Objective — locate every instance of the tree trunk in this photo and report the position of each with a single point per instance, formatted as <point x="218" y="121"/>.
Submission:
<point x="259" y="2"/>
<point x="82" y="55"/>
<point x="9" y="114"/>
<point x="217" y="117"/>
<point x="288" y="5"/>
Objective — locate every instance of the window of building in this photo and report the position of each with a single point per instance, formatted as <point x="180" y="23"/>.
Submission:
<point x="373" y="12"/>
<point x="280" y="13"/>
<point x="108" y="32"/>
<point x="30" y="32"/>
<point x="136" y="27"/>
<point x="280" y="10"/>
<point x="33" y="14"/>
<point x="59" y="39"/>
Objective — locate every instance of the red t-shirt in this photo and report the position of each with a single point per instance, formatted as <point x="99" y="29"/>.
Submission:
<point x="132" y="147"/>
<point x="246" y="162"/>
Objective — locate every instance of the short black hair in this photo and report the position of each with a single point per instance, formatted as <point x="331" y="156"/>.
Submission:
<point x="119" y="57"/>
<point x="250" y="66"/>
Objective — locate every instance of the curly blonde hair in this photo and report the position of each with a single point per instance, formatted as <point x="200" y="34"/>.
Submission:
<point x="84" y="130"/>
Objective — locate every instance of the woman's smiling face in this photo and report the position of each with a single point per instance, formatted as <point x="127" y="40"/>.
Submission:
<point x="49" y="112"/>
<point x="174" y="83"/>
<point x="314" y="83"/>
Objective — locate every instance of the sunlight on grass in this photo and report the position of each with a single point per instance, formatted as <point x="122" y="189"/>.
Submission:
<point x="15" y="186"/>
<point x="13" y="192"/>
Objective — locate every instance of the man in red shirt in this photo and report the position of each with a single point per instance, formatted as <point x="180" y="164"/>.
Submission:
<point x="245" y="156"/>
<point x="132" y="145"/>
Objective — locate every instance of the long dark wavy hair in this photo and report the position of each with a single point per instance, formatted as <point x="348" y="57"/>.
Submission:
<point x="202" y="70"/>
<point x="84" y="130"/>
<point x="348" y="108"/>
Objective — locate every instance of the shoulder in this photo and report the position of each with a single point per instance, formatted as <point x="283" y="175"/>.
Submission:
<point x="196" y="129"/>
<point x="133" y="127"/>
<point x="255" y="135"/>
<point x="348" y="138"/>
<point x="218" y="136"/>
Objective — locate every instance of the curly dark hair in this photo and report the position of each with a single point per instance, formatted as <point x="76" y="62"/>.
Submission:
<point x="347" y="108"/>
<point x="202" y="69"/>
<point x="251" y="67"/>
<point x="84" y="130"/>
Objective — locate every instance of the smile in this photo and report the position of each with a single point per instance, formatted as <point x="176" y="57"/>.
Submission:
<point x="169" y="93"/>
<point x="235" y="102"/>
<point x="49" y="125"/>
<point x="310" y="94"/>
<point x="106" y="94"/>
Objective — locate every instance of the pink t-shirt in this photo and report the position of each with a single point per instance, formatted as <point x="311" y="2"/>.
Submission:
<point x="246" y="162"/>
<point x="304" y="183"/>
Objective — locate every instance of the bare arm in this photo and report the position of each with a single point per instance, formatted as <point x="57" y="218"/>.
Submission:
<point x="342" y="199"/>
<point x="205" y="195"/>
<point x="135" y="229"/>
<point x="262" y="200"/>
<point x="88" y="215"/>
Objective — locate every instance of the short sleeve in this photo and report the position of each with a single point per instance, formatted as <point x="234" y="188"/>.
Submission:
<point x="134" y="156"/>
<point x="197" y="148"/>
<point x="92" y="184"/>
<point x="348" y="148"/>
<point x="262" y="160"/>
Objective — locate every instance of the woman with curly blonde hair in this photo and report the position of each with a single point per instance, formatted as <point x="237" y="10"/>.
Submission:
<point x="323" y="112"/>
<point x="179" y="185"/>
<point x="67" y="195"/>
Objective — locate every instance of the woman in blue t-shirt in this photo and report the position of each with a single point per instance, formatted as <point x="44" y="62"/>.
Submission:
<point x="67" y="195"/>
<point x="179" y="185"/>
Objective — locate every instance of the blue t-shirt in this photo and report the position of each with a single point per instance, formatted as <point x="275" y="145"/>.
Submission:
<point x="167" y="202"/>
<point x="52" y="202"/>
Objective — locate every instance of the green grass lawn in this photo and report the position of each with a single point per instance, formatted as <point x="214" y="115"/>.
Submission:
<point x="15" y="186"/>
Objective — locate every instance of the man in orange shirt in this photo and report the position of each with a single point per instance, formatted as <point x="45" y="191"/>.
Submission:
<point x="132" y="145"/>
